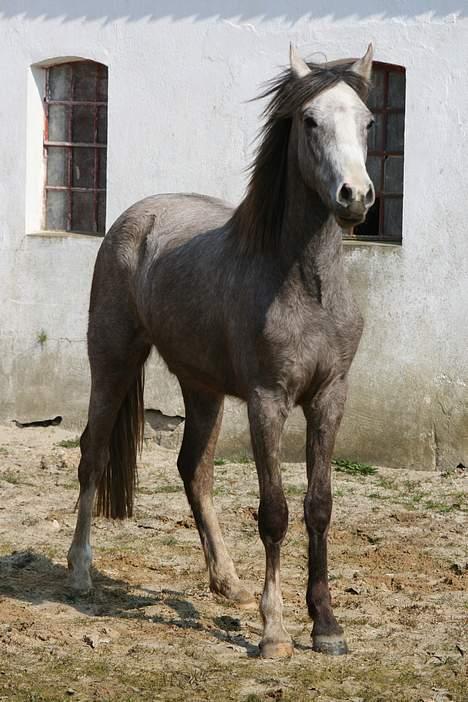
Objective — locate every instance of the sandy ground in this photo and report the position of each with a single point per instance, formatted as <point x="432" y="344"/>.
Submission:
<point x="151" y="630"/>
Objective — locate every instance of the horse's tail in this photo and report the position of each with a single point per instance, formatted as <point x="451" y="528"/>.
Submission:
<point x="116" y="490"/>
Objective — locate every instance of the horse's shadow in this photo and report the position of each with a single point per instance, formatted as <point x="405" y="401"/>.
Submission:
<point x="35" y="578"/>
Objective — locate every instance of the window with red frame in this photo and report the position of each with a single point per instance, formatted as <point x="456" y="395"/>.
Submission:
<point x="386" y="155"/>
<point x="75" y="147"/>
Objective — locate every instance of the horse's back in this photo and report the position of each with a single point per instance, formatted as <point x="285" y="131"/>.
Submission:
<point x="166" y="217"/>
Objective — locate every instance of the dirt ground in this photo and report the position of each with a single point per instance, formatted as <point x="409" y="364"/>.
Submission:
<point x="151" y="630"/>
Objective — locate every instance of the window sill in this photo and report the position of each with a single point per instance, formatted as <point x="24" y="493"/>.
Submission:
<point x="56" y="234"/>
<point x="382" y="244"/>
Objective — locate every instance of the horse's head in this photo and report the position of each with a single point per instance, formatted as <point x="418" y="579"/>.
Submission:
<point x="331" y="137"/>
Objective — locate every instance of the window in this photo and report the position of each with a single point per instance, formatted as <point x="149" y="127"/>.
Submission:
<point x="75" y="147"/>
<point x="385" y="155"/>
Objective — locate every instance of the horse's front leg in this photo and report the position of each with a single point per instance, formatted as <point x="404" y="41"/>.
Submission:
<point x="323" y="415"/>
<point x="267" y="414"/>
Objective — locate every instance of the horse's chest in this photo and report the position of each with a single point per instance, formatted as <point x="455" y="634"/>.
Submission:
<point x="313" y="342"/>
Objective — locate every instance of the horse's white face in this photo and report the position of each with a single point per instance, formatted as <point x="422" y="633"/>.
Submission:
<point x="332" y="146"/>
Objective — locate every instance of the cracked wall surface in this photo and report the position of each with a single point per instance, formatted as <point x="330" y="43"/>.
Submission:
<point x="179" y="120"/>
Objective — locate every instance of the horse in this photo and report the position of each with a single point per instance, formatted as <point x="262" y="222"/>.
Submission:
<point x="251" y="302"/>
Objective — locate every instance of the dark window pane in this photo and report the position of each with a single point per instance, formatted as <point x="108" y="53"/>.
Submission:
<point x="83" y="167"/>
<point x="56" y="210"/>
<point x="395" y="131"/>
<point x="58" y="123"/>
<point x="84" y="81"/>
<point x="394" y="174"/>
<point x="374" y="141"/>
<point x="60" y="82"/>
<point x="376" y="95"/>
<point x="102" y="83"/>
<point x="57" y="165"/>
<point x="83" y="123"/>
<point x="83" y="217"/>
<point x="374" y="168"/>
<point x="102" y="125"/>
<point x="102" y="155"/>
<point x="393" y="215"/>
<point x="370" y="227"/>
<point x="396" y="89"/>
<point x="101" y="213"/>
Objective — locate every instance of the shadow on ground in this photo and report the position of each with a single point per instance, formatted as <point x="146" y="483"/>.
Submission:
<point x="34" y="578"/>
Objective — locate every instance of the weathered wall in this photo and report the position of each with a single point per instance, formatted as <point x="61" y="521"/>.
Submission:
<point x="179" y="78"/>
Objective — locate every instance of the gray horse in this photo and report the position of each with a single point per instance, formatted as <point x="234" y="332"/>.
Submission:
<point x="251" y="302"/>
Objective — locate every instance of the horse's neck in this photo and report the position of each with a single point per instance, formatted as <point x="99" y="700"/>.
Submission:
<point x="311" y="242"/>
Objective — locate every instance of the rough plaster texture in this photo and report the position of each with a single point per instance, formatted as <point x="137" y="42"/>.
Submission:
<point x="179" y="78"/>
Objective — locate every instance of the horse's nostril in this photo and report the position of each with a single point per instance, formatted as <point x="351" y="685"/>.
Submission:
<point x="370" y="195"/>
<point x="345" y="195"/>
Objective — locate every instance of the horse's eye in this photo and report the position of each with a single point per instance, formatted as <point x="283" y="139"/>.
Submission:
<point x="371" y="124"/>
<point x="309" y="122"/>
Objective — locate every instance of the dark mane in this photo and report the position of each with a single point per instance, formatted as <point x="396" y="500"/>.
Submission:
<point x="258" y="220"/>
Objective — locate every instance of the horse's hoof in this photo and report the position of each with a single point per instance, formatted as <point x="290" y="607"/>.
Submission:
<point x="274" y="649"/>
<point x="331" y="644"/>
<point x="239" y="596"/>
<point x="81" y="588"/>
<point x="80" y="584"/>
<point x="245" y="600"/>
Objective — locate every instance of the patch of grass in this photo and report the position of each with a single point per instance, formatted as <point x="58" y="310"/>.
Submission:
<point x="168" y="541"/>
<point x="292" y="490"/>
<point x="169" y="488"/>
<point x="69" y="443"/>
<point x="3" y="451"/>
<point x="220" y="461"/>
<point x="416" y="497"/>
<point x="440" y="506"/>
<point x="10" y="477"/>
<point x="242" y="458"/>
<point x="221" y="490"/>
<point x="385" y="483"/>
<point x="344" y="465"/>
<point x="377" y="496"/>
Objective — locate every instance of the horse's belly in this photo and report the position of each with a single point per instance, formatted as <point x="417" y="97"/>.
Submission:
<point x="194" y="353"/>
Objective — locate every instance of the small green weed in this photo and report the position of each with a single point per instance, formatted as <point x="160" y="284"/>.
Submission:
<point x="344" y="465"/>
<point x="3" y="451"/>
<point x="69" y="443"/>
<point x="220" y="461"/>
<point x="10" y="477"/>
<point x="41" y="337"/>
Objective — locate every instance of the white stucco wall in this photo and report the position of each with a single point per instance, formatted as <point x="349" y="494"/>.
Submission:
<point x="179" y="78"/>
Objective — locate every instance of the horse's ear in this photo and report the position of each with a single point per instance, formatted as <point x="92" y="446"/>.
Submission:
<point x="298" y="65"/>
<point x="363" y="66"/>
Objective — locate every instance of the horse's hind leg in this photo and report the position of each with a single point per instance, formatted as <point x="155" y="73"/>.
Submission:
<point x="115" y="386"/>
<point x="195" y="463"/>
